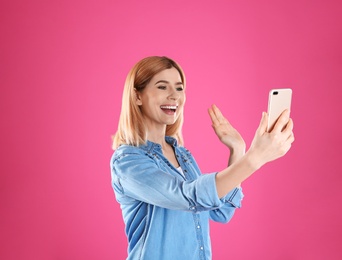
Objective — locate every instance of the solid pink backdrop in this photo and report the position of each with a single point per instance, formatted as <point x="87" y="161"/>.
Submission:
<point x="62" y="69"/>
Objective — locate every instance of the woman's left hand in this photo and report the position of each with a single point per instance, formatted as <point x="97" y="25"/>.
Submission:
<point x="227" y="134"/>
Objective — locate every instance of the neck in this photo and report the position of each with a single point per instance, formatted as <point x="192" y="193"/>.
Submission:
<point x="157" y="136"/>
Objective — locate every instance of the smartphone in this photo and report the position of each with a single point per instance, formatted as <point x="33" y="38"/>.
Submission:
<point x="278" y="101"/>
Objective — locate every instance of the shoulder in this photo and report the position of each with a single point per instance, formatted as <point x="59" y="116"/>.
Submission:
<point x="125" y="150"/>
<point x="129" y="161"/>
<point x="130" y="152"/>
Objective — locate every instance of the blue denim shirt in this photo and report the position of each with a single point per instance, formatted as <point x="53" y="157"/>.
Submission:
<point x="166" y="213"/>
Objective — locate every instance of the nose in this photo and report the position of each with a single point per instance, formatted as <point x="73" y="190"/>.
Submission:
<point x="174" y="94"/>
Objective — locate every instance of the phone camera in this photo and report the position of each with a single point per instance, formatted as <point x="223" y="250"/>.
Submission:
<point x="275" y="93"/>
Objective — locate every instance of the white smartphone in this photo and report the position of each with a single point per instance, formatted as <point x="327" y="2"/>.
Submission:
<point x="278" y="101"/>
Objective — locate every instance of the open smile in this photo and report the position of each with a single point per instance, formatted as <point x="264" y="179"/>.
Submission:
<point x="169" y="109"/>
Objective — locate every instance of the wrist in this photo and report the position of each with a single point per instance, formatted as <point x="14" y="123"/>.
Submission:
<point x="252" y="160"/>
<point x="238" y="149"/>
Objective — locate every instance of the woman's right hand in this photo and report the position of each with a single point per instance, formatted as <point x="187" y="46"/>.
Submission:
<point x="269" y="146"/>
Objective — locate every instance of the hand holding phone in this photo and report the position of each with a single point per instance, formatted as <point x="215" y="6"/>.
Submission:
<point x="278" y="101"/>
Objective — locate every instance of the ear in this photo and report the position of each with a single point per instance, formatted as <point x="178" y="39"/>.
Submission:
<point x="137" y="97"/>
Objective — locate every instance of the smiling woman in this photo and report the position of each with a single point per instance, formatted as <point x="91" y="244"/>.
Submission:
<point x="166" y="201"/>
<point x="132" y="129"/>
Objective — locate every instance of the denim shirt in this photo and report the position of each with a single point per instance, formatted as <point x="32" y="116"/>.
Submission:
<point x="166" y="213"/>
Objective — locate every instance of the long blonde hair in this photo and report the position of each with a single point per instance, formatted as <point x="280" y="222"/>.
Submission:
<point x="131" y="128"/>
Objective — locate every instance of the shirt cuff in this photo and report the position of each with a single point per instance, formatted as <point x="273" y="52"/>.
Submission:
<point x="234" y="197"/>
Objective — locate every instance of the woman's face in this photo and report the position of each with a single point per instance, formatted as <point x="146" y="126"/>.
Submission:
<point x="162" y="99"/>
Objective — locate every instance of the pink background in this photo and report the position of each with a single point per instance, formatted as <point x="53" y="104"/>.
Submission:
<point x="62" y="70"/>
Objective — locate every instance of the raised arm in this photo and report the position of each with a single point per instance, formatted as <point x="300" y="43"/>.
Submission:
<point x="265" y="147"/>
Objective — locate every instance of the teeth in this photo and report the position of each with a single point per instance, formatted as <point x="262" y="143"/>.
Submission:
<point x="169" y="107"/>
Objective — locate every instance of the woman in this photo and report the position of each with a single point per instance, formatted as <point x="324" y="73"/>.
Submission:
<point x="166" y="202"/>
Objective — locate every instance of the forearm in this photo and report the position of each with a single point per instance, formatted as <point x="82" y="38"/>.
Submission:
<point x="235" y="155"/>
<point x="235" y="174"/>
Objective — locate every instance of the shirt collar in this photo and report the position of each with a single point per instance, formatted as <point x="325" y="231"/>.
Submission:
<point x="149" y="146"/>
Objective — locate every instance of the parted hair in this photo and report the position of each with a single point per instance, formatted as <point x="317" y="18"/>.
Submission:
<point x="131" y="127"/>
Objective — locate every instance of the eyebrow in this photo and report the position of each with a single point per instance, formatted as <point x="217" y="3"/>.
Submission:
<point x="167" y="82"/>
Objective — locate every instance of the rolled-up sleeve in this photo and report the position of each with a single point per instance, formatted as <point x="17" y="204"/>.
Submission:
<point x="137" y="176"/>
<point x="234" y="198"/>
<point x="231" y="202"/>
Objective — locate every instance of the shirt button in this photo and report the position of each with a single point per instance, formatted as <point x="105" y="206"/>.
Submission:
<point x="198" y="227"/>
<point x="201" y="247"/>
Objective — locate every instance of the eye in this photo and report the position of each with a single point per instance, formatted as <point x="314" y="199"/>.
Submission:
<point x="180" y="89"/>
<point x="162" y="87"/>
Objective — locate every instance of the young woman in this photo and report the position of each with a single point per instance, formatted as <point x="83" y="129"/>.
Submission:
<point x="166" y="201"/>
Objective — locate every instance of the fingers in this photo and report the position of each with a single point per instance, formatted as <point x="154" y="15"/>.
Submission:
<point x="282" y="121"/>
<point x="216" y="116"/>
<point x="263" y="124"/>
<point x="213" y="117"/>
<point x="218" y="113"/>
<point x="215" y="113"/>
<point x="291" y="138"/>
<point x="285" y="138"/>
<point x="289" y="126"/>
<point x="288" y="131"/>
<point x="284" y="125"/>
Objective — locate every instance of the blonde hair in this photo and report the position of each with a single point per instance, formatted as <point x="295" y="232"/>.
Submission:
<point x="131" y="128"/>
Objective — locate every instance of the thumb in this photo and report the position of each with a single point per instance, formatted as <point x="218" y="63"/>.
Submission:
<point x="263" y="124"/>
